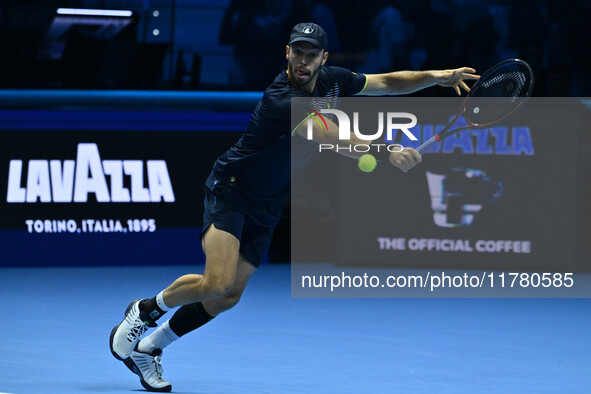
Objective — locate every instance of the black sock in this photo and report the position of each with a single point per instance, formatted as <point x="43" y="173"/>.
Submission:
<point x="150" y="307"/>
<point x="188" y="318"/>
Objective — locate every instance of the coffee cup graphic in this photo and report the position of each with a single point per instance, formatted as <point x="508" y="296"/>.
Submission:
<point x="459" y="194"/>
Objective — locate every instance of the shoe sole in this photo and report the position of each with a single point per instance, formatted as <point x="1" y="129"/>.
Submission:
<point x="133" y="368"/>
<point x="114" y="330"/>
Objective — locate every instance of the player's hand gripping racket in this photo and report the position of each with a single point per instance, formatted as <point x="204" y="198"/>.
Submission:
<point x="499" y="92"/>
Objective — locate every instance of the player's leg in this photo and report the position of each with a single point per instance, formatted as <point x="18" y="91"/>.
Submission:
<point x="216" y="306"/>
<point x="145" y="359"/>
<point x="192" y="316"/>
<point x="221" y="263"/>
<point x="255" y="242"/>
<point x="221" y="267"/>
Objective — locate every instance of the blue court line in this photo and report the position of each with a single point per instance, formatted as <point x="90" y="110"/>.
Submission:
<point x="220" y="101"/>
<point x="43" y="119"/>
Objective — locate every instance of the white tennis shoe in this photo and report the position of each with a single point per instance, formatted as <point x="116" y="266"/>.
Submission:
<point x="125" y="336"/>
<point x="148" y="366"/>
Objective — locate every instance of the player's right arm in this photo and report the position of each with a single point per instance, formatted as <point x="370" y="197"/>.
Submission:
<point x="405" y="82"/>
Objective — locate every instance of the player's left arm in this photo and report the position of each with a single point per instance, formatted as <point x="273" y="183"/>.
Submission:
<point x="404" y="82"/>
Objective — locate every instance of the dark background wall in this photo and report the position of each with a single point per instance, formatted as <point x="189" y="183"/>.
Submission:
<point x="239" y="44"/>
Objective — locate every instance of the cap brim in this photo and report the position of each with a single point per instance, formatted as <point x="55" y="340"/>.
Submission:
<point x="307" y="39"/>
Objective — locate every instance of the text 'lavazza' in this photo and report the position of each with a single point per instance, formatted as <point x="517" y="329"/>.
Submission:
<point x="73" y="180"/>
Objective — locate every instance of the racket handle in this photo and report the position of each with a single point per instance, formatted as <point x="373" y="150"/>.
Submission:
<point x="427" y="144"/>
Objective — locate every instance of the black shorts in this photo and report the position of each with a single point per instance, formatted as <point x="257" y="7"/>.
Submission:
<point x="254" y="239"/>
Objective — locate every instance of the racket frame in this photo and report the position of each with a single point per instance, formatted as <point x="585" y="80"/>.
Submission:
<point x="462" y="110"/>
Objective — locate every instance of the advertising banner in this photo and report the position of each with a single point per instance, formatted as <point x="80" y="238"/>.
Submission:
<point x="106" y="194"/>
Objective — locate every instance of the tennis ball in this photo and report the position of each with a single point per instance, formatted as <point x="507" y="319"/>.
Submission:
<point x="367" y="163"/>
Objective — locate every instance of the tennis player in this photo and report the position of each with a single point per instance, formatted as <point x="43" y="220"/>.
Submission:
<point x="245" y="195"/>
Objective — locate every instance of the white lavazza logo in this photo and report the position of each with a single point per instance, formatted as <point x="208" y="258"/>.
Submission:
<point x="68" y="181"/>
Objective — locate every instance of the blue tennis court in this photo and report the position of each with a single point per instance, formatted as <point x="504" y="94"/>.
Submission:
<point x="58" y="321"/>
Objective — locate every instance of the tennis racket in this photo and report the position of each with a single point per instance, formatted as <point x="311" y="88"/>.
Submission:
<point x="499" y="92"/>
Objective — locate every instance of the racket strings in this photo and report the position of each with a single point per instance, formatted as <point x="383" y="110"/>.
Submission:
<point x="511" y="84"/>
<point x="498" y="93"/>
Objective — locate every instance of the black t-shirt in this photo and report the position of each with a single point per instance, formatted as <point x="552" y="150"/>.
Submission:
<point x="255" y="174"/>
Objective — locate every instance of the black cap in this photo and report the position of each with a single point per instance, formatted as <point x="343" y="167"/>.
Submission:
<point x="309" y="32"/>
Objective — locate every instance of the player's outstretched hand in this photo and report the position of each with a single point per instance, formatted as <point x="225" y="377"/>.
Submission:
<point x="405" y="159"/>
<point x="455" y="78"/>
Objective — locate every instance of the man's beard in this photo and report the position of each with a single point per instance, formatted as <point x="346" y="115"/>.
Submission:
<point x="294" y="74"/>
